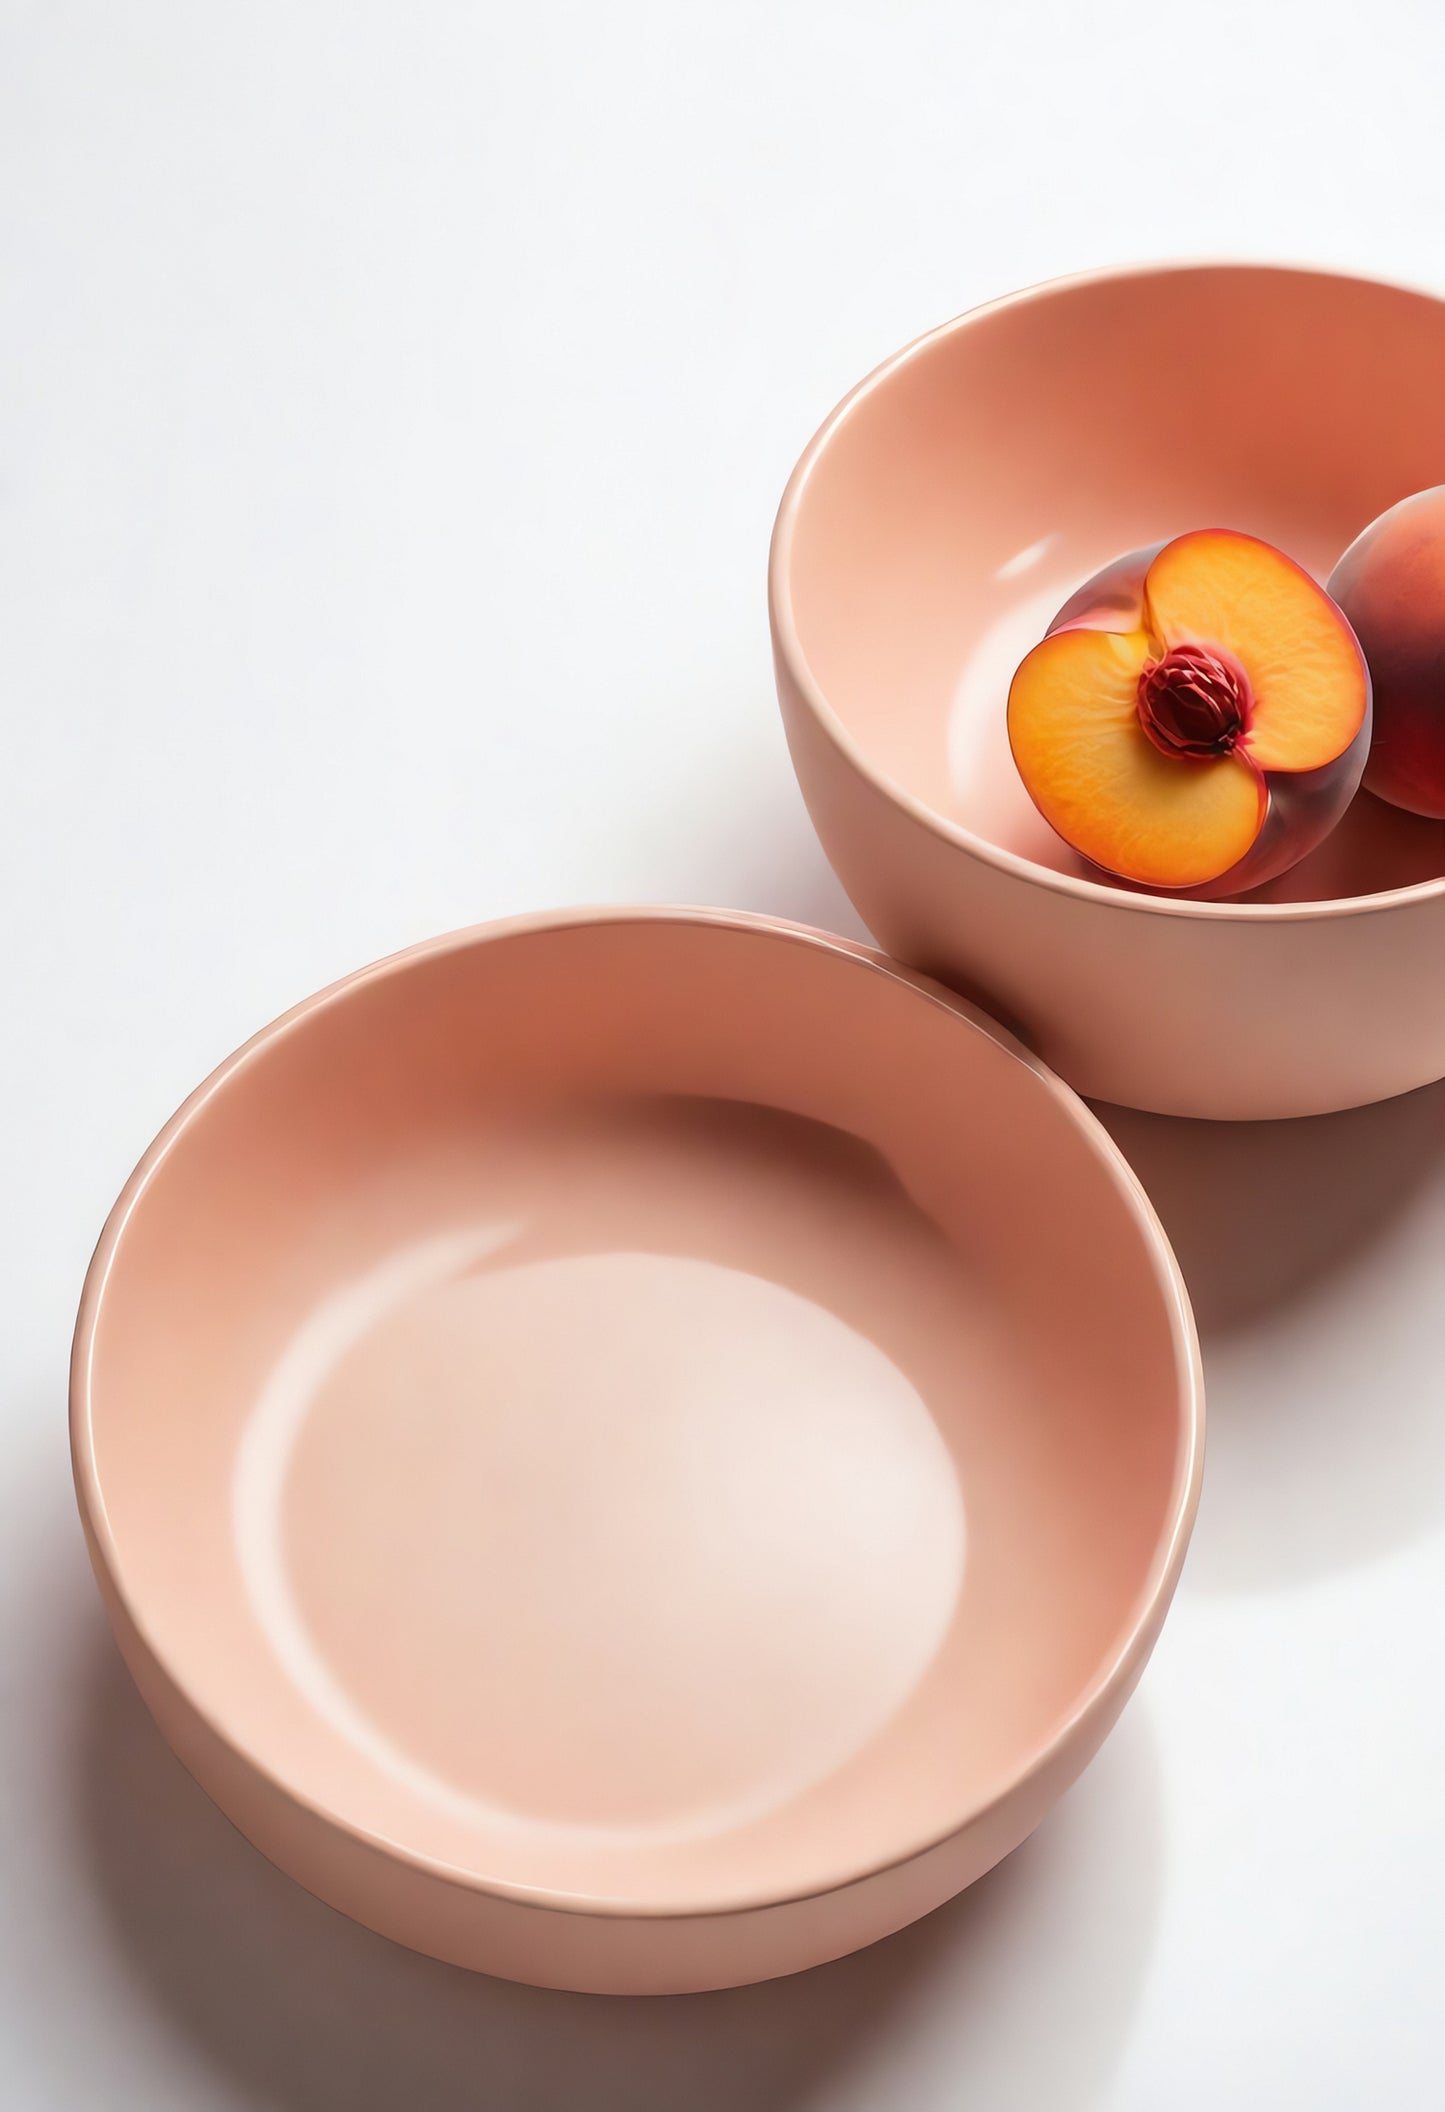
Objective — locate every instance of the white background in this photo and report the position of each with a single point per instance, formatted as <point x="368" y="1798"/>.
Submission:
<point x="393" y="405"/>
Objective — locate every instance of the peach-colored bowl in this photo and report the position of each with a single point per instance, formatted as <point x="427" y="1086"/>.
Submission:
<point x="931" y="530"/>
<point x="635" y="1451"/>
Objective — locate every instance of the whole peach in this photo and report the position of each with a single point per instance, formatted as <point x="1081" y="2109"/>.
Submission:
<point x="1391" y="585"/>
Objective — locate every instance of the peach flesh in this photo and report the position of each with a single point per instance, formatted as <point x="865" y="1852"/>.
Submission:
<point x="1303" y="805"/>
<point x="1391" y="585"/>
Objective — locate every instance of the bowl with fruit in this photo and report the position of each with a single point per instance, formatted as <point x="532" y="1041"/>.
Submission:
<point x="1109" y="626"/>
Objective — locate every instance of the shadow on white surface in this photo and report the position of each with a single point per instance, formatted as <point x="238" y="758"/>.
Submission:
<point x="741" y="838"/>
<point x="1018" y="1995"/>
<point x="1312" y="1250"/>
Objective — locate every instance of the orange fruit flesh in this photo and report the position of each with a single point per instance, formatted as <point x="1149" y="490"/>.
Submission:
<point x="1182" y="821"/>
<point x="1097" y="778"/>
<point x="1306" y="672"/>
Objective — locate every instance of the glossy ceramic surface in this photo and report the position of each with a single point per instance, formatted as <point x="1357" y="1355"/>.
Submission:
<point x="637" y="1451"/>
<point x="929" y="533"/>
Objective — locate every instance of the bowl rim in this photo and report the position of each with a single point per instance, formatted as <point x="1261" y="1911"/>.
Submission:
<point x="790" y="647"/>
<point x="1118" y="1664"/>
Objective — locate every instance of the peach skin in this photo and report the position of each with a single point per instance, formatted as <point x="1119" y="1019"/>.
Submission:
<point x="1197" y="718"/>
<point x="1391" y="585"/>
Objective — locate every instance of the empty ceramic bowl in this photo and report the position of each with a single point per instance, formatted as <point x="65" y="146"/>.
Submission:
<point x="930" y="532"/>
<point x="637" y="1451"/>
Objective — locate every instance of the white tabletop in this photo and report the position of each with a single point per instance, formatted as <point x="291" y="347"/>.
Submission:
<point x="393" y="405"/>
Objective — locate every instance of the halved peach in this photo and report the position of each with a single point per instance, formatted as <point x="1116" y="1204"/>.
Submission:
<point x="1197" y="718"/>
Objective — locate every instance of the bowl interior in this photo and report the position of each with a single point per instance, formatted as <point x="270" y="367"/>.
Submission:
<point x="963" y="494"/>
<point x="659" y="1410"/>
